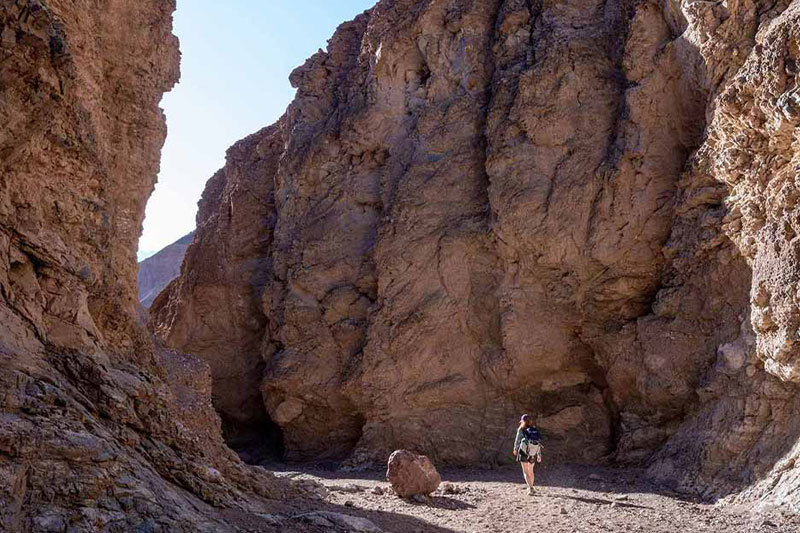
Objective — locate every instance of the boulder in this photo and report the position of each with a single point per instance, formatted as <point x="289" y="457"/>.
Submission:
<point x="411" y="474"/>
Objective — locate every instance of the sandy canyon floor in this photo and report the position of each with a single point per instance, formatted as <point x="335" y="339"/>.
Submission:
<point x="568" y="499"/>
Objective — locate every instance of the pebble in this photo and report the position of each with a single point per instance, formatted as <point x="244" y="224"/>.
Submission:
<point x="449" y="488"/>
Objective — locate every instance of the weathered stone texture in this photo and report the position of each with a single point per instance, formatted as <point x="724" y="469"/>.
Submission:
<point x="225" y="322"/>
<point x="411" y="474"/>
<point x="99" y="430"/>
<point x="483" y="208"/>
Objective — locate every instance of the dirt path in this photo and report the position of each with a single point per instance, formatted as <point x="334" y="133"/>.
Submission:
<point x="567" y="500"/>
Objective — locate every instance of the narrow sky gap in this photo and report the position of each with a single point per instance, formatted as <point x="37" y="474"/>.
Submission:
<point x="235" y="63"/>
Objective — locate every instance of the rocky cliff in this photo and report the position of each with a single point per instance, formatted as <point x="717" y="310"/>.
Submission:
<point x="474" y="209"/>
<point x="99" y="429"/>
<point x="225" y="268"/>
<point x="158" y="270"/>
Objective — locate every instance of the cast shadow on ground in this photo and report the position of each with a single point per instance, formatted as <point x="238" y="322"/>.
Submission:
<point x="312" y="520"/>
<point x="601" y="501"/>
<point x="391" y="522"/>
<point x="591" y="478"/>
<point x="441" y="502"/>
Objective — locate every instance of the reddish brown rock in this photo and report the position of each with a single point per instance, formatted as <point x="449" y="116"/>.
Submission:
<point x="411" y="474"/>
<point x="477" y="209"/>
<point x="215" y="311"/>
<point x="99" y="429"/>
<point x="746" y="435"/>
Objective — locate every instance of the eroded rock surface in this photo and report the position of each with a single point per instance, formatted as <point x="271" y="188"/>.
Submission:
<point x="476" y="209"/>
<point x="99" y="429"/>
<point x="224" y="322"/>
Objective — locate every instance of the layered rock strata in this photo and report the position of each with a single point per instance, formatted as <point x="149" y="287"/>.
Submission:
<point x="476" y="209"/>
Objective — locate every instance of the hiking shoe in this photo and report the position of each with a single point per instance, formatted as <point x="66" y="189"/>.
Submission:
<point x="531" y="491"/>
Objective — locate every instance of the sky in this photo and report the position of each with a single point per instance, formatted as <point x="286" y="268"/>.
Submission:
<point x="236" y="56"/>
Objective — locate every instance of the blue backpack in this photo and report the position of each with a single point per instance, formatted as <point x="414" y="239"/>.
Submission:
<point x="532" y="434"/>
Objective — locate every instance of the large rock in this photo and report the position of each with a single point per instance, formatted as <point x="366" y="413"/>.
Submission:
<point x="411" y="474"/>
<point x="477" y="209"/>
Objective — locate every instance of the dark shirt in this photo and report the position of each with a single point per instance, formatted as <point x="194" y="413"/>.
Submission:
<point x="529" y="432"/>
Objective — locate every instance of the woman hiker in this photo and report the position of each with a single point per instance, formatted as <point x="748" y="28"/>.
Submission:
<point x="528" y="448"/>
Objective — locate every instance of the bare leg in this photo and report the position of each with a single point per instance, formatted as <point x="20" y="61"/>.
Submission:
<point x="532" y="476"/>
<point x="526" y="473"/>
<point x="527" y="468"/>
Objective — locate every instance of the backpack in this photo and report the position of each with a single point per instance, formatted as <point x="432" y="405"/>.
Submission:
<point x="532" y="434"/>
<point x="529" y="448"/>
<point x="530" y="445"/>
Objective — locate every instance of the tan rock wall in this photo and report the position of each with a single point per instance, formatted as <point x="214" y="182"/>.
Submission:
<point x="488" y="208"/>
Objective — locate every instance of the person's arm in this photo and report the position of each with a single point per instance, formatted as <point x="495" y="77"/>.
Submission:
<point x="517" y="441"/>
<point x="539" y="453"/>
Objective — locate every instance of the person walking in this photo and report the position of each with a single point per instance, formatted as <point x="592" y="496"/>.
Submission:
<point x="528" y="449"/>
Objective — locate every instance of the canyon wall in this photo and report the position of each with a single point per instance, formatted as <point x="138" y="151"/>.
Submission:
<point x="474" y="209"/>
<point x="99" y="429"/>
<point x="223" y="321"/>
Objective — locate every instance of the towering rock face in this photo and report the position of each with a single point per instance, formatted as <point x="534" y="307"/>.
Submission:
<point x="92" y="437"/>
<point x="747" y="432"/>
<point x="158" y="270"/>
<point x="230" y="260"/>
<point x="477" y="209"/>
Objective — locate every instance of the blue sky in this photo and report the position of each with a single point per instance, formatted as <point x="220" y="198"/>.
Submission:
<point x="236" y="60"/>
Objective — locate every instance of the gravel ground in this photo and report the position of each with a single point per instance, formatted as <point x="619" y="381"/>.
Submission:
<point x="568" y="499"/>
